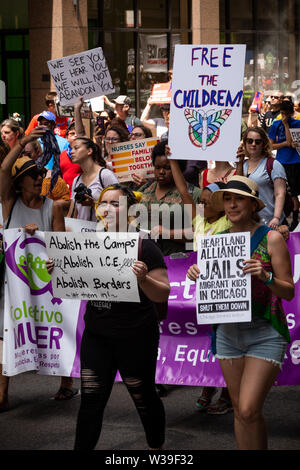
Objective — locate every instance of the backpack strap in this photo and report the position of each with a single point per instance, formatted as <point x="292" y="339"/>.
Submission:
<point x="100" y="177"/>
<point x="269" y="167"/>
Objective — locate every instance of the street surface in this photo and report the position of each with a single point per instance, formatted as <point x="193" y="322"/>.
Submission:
<point x="36" y="422"/>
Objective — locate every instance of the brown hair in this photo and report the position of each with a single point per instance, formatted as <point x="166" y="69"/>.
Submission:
<point x="267" y="149"/>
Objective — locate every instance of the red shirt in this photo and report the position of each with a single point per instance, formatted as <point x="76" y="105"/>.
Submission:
<point x="69" y="170"/>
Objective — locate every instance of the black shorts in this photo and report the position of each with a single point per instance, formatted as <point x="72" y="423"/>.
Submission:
<point x="293" y="177"/>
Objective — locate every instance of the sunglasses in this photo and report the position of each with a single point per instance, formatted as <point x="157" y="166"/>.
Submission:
<point x="276" y="97"/>
<point x="256" y="141"/>
<point x="34" y="173"/>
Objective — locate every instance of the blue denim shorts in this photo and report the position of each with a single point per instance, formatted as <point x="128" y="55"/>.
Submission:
<point x="257" y="338"/>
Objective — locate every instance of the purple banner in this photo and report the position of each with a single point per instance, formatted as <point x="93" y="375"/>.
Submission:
<point x="184" y="356"/>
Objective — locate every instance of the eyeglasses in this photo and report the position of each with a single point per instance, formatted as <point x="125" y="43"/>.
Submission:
<point x="257" y="141"/>
<point x="268" y="102"/>
<point x="112" y="139"/>
<point x="137" y="134"/>
<point x="276" y="97"/>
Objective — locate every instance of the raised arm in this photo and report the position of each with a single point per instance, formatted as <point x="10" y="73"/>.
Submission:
<point x="79" y="127"/>
<point x="181" y="183"/>
<point x="7" y="194"/>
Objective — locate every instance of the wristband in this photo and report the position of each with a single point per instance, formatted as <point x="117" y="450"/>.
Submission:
<point x="270" y="280"/>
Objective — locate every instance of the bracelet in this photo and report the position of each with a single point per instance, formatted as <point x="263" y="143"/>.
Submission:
<point x="270" y="280"/>
<point x="275" y="217"/>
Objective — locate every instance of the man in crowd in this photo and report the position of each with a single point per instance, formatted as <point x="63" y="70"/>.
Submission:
<point x="61" y="123"/>
<point x="269" y="117"/>
<point x="69" y="170"/>
<point x="48" y="119"/>
<point x="287" y="154"/>
<point x="121" y="105"/>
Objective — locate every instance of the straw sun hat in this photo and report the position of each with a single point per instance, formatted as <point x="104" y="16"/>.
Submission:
<point x="22" y="166"/>
<point x="238" y="185"/>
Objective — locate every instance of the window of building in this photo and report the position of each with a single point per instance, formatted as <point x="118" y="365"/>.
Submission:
<point x="138" y="39"/>
<point x="14" y="59"/>
<point x="270" y="30"/>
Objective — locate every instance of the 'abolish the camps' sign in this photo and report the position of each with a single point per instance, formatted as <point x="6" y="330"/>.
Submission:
<point x="83" y="75"/>
<point x="223" y="291"/>
<point x="94" y="266"/>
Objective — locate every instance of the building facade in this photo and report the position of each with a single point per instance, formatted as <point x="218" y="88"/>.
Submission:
<point x="138" y="39"/>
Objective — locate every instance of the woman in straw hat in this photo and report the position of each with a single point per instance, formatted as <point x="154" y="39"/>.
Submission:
<point x="23" y="206"/>
<point x="252" y="353"/>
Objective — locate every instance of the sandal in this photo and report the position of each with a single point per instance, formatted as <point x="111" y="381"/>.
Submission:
<point x="204" y="400"/>
<point x="221" y="407"/>
<point x="65" y="393"/>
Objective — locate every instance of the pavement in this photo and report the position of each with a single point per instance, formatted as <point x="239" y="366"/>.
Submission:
<point x="35" y="422"/>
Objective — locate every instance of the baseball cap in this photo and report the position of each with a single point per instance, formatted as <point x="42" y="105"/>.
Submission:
<point x="47" y="115"/>
<point x="122" y="99"/>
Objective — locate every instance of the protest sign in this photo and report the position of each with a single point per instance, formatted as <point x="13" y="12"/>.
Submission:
<point x="94" y="266"/>
<point x="295" y="133"/>
<point x="223" y="291"/>
<point x="161" y="93"/>
<point x="68" y="111"/>
<point x="206" y="103"/>
<point x="78" y="225"/>
<point x="132" y="157"/>
<point x="83" y="75"/>
<point x="41" y="331"/>
<point x="155" y="56"/>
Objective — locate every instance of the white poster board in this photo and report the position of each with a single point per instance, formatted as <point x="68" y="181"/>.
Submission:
<point x="83" y="75"/>
<point x="94" y="265"/>
<point x="206" y="103"/>
<point x="223" y="292"/>
<point x="295" y="133"/>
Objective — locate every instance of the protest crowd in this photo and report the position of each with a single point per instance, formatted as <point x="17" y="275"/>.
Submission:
<point x="56" y="167"/>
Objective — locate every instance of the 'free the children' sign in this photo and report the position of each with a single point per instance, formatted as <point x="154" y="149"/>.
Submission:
<point x="81" y="75"/>
<point x="206" y="102"/>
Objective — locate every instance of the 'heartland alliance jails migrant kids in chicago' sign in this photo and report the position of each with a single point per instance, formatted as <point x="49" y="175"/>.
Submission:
<point x="83" y="75"/>
<point x="206" y="104"/>
<point x="223" y="291"/>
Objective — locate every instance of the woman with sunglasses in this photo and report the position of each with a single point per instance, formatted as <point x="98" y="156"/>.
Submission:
<point x="252" y="353"/>
<point x="254" y="155"/>
<point x="24" y="206"/>
<point x="123" y="336"/>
